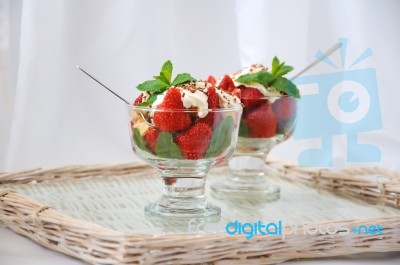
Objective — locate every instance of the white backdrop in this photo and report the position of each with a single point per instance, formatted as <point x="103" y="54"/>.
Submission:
<point x="52" y="115"/>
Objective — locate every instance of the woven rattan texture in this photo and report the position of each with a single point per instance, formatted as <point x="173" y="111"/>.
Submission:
<point x="95" y="213"/>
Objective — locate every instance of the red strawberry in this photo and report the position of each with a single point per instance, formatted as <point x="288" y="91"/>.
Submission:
<point x="138" y="100"/>
<point x="237" y="92"/>
<point x="211" y="79"/>
<point x="169" y="181"/>
<point x="227" y="84"/>
<point x="284" y="108"/>
<point x="172" y="121"/>
<point x="193" y="142"/>
<point x="213" y="103"/>
<point x="261" y="122"/>
<point x="251" y="97"/>
<point x="151" y="135"/>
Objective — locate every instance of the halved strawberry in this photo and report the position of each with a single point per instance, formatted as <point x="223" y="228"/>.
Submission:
<point x="138" y="100"/>
<point x="213" y="103"/>
<point x="251" y="97"/>
<point x="151" y="136"/>
<point x="193" y="142"/>
<point x="284" y="108"/>
<point x="211" y="79"/>
<point x="261" y="121"/>
<point x="174" y="120"/>
<point x="227" y="84"/>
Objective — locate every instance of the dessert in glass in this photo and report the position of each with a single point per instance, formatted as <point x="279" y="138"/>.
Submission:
<point x="269" y="117"/>
<point x="182" y="128"/>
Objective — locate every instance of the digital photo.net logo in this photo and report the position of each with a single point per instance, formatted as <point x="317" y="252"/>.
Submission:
<point x="343" y="102"/>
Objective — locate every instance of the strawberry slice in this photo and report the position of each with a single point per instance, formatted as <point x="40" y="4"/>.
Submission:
<point x="261" y="122"/>
<point x="174" y="120"/>
<point x="284" y="108"/>
<point x="193" y="142"/>
<point x="251" y="97"/>
<point x="138" y="100"/>
<point x="211" y="79"/>
<point x="227" y="84"/>
<point x="151" y="136"/>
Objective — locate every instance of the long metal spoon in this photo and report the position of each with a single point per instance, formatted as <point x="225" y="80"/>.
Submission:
<point x="115" y="94"/>
<point x="317" y="61"/>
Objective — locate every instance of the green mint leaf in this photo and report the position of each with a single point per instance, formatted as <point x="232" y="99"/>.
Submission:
<point x="286" y="86"/>
<point x="152" y="86"/>
<point x="182" y="78"/>
<point x="275" y="65"/>
<point x="221" y="138"/>
<point x="162" y="79"/>
<point x="150" y="100"/>
<point x="284" y="70"/>
<point x="166" y="71"/>
<point x="144" y="104"/>
<point x="165" y="146"/>
<point x="243" y="129"/>
<point x="262" y="77"/>
<point x="139" y="141"/>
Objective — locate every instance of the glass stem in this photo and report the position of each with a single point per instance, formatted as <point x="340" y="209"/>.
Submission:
<point x="184" y="192"/>
<point x="247" y="168"/>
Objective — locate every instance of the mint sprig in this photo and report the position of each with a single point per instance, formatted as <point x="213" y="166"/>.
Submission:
<point x="243" y="129"/>
<point x="162" y="82"/>
<point x="165" y="146"/>
<point x="140" y="142"/>
<point x="221" y="138"/>
<point x="273" y="79"/>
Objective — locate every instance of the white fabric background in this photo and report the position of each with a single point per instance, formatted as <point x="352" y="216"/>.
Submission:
<point x="52" y="115"/>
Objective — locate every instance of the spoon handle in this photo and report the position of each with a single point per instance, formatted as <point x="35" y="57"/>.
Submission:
<point x="115" y="94"/>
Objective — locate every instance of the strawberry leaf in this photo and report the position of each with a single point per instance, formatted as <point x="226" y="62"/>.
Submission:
<point x="139" y="141"/>
<point x="152" y="86"/>
<point x="182" y="78"/>
<point x="221" y="138"/>
<point x="165" y="146"/>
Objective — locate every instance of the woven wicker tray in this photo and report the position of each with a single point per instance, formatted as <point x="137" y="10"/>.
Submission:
<point x="95" y="213"/>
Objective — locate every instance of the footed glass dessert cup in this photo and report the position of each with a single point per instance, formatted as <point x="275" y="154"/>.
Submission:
<point x="265" y="123"/>
<point x="183" y="147"/>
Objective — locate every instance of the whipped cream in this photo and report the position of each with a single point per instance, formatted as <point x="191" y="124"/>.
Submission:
<point x="194" y="96"/>
<point x="252" y="69"/>
<point x="191" y="96"/>
<point x="228" y="100"/>
<point x="197" y="99"/>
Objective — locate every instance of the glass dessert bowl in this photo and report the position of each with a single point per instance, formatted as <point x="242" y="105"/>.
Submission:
<point x="269" y="118"/>
<point x="182" y="129"/>
<point x="183" y="158"/>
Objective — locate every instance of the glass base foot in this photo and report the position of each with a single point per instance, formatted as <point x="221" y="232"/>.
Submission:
<point x="183" y="209"/>
<point x="262" y="192"/>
